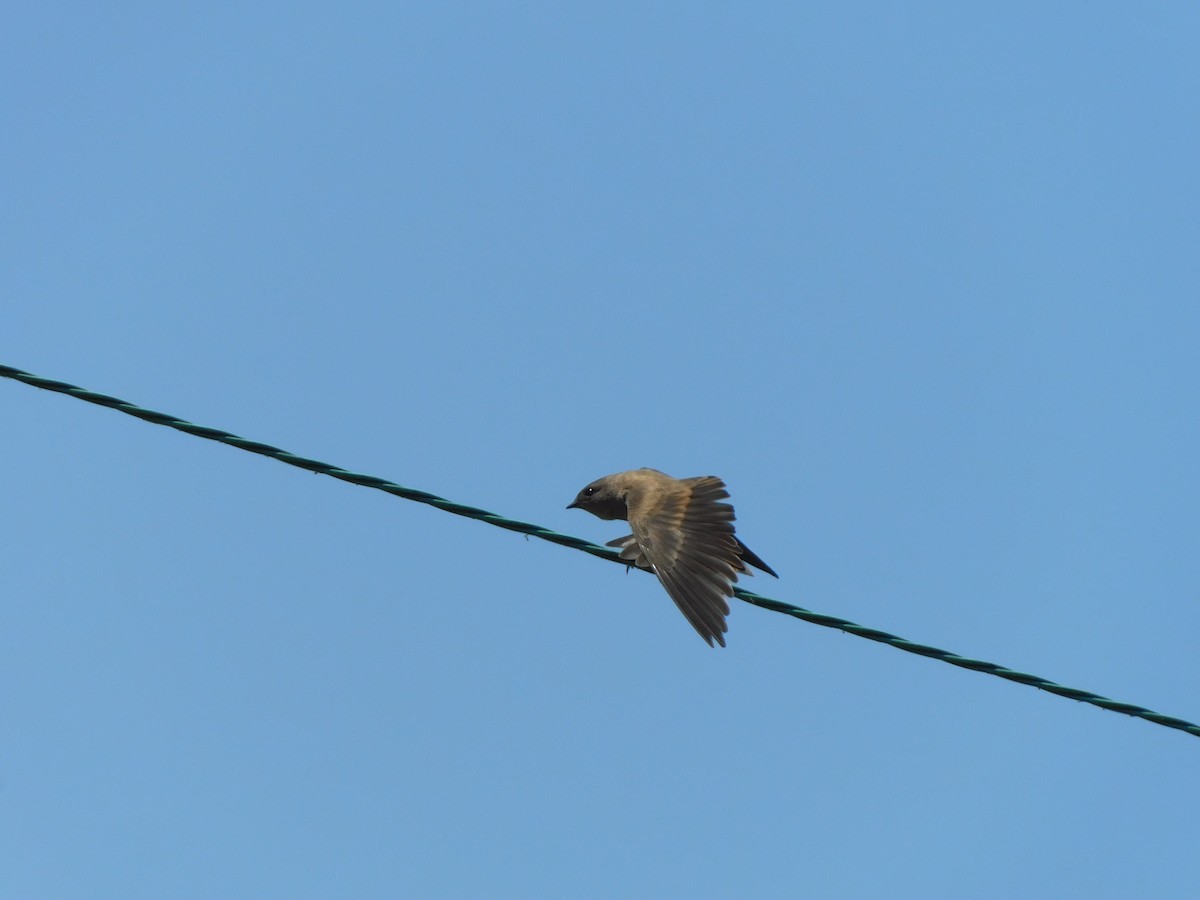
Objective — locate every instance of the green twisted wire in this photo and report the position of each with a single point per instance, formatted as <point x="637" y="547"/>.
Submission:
<point x="545" y="534"/>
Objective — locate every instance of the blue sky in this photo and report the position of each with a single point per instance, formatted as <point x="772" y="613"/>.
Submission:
<point x="919" y="281"/>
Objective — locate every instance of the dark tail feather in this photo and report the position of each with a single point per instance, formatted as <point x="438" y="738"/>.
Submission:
<point x="752" y="558"/>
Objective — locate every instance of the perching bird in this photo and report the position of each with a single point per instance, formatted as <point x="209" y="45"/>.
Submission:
<point x="683" y="533"/>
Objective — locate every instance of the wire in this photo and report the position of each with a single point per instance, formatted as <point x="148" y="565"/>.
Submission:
<point x="545" y="534"/>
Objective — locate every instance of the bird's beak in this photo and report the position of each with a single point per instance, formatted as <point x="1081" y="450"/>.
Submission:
<point x="574" y="504"/>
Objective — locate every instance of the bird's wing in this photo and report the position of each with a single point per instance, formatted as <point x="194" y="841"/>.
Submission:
<point x="687" y="537"/>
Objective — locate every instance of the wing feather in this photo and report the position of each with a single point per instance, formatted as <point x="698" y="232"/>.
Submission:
<point x="687" y="537"/>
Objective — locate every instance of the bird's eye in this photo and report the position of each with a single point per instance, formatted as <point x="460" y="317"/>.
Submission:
<point x="589" y="491"/>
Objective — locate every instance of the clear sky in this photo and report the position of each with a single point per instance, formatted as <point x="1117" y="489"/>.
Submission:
<point x="921" y="282"/>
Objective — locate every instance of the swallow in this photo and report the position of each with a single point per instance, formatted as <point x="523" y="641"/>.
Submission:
<point x="683" y="533"/>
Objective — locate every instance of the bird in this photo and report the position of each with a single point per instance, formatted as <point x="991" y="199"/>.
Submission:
<point x="683" y="533"/>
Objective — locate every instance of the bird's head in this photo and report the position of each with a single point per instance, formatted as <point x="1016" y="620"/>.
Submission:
<point x="603" y="498"/>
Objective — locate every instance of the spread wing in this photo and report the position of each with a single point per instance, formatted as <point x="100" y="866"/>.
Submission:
<point x="687" y="538"/>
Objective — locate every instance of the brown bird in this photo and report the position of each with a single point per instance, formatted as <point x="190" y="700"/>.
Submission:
<point x="683" y="533"/>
